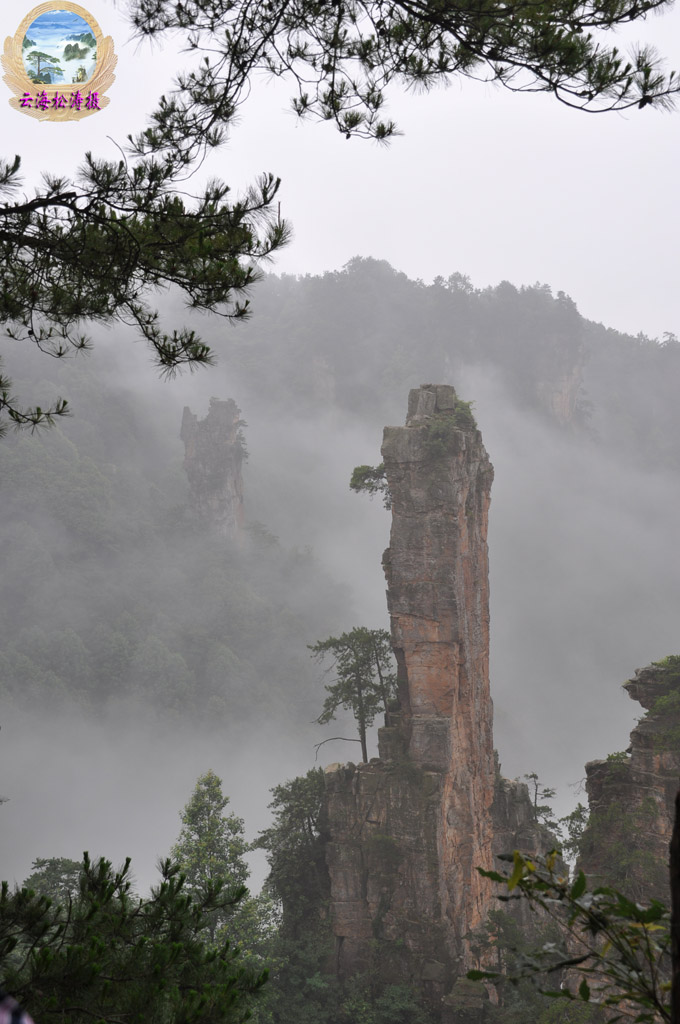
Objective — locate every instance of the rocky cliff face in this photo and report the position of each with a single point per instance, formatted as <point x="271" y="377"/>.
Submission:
<point x="409" y="829"/>
<point x="213" y="457"/>
<point x="514" y="823"/>
<point x="631" y="794"/>
<point x="559" y="396"/>
<point x="439" y="477"/>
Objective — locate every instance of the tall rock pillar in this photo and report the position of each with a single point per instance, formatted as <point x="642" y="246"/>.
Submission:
<point x="439" y="477"/>
<point x="631" y="795"/>
<point x="213" y="457"/>
<point x="408" y="830"/>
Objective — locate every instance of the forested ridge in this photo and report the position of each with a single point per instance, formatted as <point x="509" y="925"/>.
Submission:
<point x="355" y="337"/>
<point x="115" y="600"/>
<point x="111" y="590"/>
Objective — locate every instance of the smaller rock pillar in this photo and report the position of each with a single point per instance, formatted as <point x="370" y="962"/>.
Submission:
<point x="213" y="457"/>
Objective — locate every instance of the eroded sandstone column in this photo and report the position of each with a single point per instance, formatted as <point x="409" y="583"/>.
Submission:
<point x="439" y="476"/>
<point x="409" y="830"/>
<point x="213" y="459"/>
<point x="631" y="795"/>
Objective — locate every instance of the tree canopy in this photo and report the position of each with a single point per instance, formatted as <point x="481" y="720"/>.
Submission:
<point x="298" y="875"/>
<point x="92" y="249"/>
<point x="210" y="851"/>
<point x="365" y="682"/>
<point x="56" y="877"/>
<point x="211" y="843"/>
<point x="50" y="65"/>
<point x="342" y="55"/>
<point x="105" y="954"/>
<point x="371" y="480"/>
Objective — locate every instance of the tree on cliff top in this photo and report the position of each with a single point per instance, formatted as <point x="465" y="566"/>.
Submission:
<point x="49" y="64"/>
<point x="298" y="876"/>
<point x="365" y="682"/>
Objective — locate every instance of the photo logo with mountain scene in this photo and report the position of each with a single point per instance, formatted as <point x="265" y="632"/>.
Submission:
<point x="59" y="64"/>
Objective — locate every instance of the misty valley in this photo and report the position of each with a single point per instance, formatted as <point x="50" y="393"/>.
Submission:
<point x="450" y="803"/>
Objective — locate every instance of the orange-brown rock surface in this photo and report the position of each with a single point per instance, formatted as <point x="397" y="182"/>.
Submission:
<point x="632" y="794"/>
<point x="213" y="459"/>
<point x="559" y="395"/>
<point x="409" y="829"/>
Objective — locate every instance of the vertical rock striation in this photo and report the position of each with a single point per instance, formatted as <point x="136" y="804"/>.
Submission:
<point x="213" y="457"/>
<point x="439" y="477"/>
<point x="408" y="830"/>
<point x="559" y="397"/>
<point x="632" y="794"/>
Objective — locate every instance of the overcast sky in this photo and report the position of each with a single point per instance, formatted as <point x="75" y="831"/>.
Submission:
<point x="494" y="185"/>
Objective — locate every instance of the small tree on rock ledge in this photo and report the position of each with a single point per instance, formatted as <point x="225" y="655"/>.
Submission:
<point x="365" y="680"/>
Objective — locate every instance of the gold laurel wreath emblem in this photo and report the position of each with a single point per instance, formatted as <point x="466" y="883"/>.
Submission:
<point x="18" y="81"/>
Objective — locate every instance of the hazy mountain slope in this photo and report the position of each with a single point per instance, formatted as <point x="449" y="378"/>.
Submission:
<point x="136" y="653"/>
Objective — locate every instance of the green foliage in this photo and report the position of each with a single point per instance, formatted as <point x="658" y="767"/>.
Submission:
<point x="504" y="944"/>
<point x="107" y="955"/>
<point x="567" y="831"/>
<point x="395" y="1004"/>
<point x="615" y="950"/>
<point x="43" y="66"/>
<point x="86" y="38"/>
<point x="300" y="990"/>
<point x="665" y="710"/>
<point x="298" y="877"/>
<point x="572" y="828"/>
<point x="211" y="844"/>
<point x="618" y="763"/>
<point x="210" y="850"/>
<point x="672" y="663"/>
<point x="371" y="480"/>
<point x="303" y="988"/>
<point x="93" y="248"/>
<point x="442" y="429"/>
<point x="384" y="848"/>
<point x="412" y="773"/>
<point x="568" y="1012"/>
<point x="359" y="324"/>
<point x="613" y="834"/>
<point x="342" y="58"/>
<point x="542" y="811"/>
<point x="365" y="683"/>
<point x="56" y="877"/>
<point x="112" y="593"/>
<point x="667" y="705"/>
<point x="74" y="52"/>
